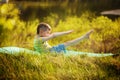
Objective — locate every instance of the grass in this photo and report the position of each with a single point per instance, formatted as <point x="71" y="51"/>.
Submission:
<point x="47" y="66"/>
<point x="16" y="32"/>
<point x="25" y="66"/>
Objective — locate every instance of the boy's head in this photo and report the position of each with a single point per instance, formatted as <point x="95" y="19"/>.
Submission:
<point x="43" y="29"/>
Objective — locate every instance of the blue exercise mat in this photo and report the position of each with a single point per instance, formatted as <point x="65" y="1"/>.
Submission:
<point x="14" y="50"/>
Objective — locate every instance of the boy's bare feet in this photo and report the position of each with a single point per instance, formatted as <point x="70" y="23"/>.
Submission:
<point x="88" y="33"/>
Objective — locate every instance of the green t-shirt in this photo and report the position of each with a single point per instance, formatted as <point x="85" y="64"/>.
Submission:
<point x="41" y="46"/>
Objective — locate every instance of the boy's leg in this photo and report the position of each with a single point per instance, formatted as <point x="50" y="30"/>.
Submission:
<point x="77" y="40"/>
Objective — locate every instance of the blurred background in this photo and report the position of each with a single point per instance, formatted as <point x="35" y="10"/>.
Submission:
<point x="19" y="20"/>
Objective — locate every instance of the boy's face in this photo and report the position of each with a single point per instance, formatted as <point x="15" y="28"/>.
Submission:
<point x="44" y="33"/>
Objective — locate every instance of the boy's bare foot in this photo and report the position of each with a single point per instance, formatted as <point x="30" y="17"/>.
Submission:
<point x="88" y="33"/>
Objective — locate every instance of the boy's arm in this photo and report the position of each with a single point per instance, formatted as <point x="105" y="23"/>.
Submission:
<point x="56" y="34"/>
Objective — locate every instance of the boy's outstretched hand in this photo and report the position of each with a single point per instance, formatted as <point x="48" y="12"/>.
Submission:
<point x="61" y="33"/>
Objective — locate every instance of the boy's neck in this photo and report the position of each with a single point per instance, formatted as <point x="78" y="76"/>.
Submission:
<point x="40" y="35"/>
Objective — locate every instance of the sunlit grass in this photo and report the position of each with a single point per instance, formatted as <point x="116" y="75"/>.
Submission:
<point x="57" y="66"/>
<point x="46" y="66"/>
<point x="106" y="36"/>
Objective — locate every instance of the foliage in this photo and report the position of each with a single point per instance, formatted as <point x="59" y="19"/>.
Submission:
<point x="106" y="36"/>
<point x="15" y="32"/>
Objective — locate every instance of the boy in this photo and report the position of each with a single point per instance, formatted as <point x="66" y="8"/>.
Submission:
<point x="43" y="35"/>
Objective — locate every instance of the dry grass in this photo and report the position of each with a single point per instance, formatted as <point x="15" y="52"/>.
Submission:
<point x="58" y="67"/>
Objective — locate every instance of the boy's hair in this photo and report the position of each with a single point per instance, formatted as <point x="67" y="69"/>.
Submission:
<point x="43" y="26"/>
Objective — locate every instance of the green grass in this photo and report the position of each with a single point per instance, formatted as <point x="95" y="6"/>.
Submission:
<point x="23" y="66"/>
<point x="15" y="32"/>
<point x="47" y="66"/>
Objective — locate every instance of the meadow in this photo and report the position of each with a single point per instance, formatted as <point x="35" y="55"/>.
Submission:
<point x="46" y="66"/>
<point x="27" y="66"/>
